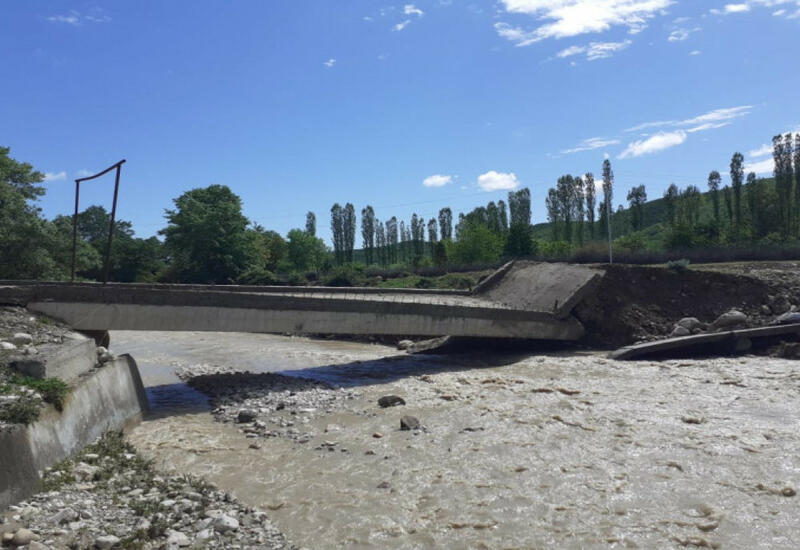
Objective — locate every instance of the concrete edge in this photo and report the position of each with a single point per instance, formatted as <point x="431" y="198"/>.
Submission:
<point x="577" y="297"/>
<point x="493" y="279"/>
<point x="111" y="398"/>
<point x="647" y="349"/>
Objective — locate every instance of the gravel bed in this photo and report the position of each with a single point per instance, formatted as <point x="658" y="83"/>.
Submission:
<point x="267" y="404"/>
<point x="109" y="497"/>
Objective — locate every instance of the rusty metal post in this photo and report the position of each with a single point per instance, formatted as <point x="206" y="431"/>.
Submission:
<point x="111" y="227"/>
<point x="78" y="181"/>
<point x="75" y="229"/>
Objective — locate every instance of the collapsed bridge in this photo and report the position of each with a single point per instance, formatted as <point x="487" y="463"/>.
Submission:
<point x="520" y="300"/>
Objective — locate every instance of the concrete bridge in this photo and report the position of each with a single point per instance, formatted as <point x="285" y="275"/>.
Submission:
<point x="523" y="300"/>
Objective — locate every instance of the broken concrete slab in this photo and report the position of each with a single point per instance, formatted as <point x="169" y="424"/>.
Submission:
<point x="66" y="361"/>
<point x="544" y="287"/>
<point x="733" y="341"/>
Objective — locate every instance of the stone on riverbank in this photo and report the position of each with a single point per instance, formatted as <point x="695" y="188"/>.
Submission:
<point x="390" y="401"/>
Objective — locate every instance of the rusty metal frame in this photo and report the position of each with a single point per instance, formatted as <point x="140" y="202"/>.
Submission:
<point x="118" y="167"/>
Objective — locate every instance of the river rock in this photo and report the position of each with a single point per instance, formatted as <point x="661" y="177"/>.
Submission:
<point x="106" y="541"/>
<point x="691" y="324"/>
<point x="22" y="537"/>
<point x="731" y="319"/>
<point x="223" y="524"/>
<point x="788" y="318"/>
<point x="409" y="423"/>
<point x="391" y="401"/>
<point x="679" y="331"/>
<point x="7" y="346"/>
<point x="246" y="415"/>
<point x="22" y="339"/>
<point x="64" y="516"/>
<point x="176" y="538"/>
<point x="404" y="344"/>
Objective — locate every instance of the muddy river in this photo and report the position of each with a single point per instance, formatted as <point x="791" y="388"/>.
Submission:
<point x="517" y="451"/>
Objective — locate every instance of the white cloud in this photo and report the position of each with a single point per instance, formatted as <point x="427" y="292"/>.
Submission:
<point x="761" y="151"/>
<point x="329" y="63"/>
<point x="75" y="18"/>
<point x="402" y="25"/>
<point x="83" y="172"/>
<point x="566" y="18"/>
<point x="681" y="34"/>
<point x="654" y="144"/>
<point x="591" y="144"/>
<point x="595" y="50"/>
<point x="55" y="176"/>
<point x="706" y="121"/>
<point x="437" y="180"/>
<point x="766" y="166"/>
<point x="748" y="5"/>
<point x="411" y="9"/>
<point x="497" y="181"/>
<point x="695" y="52"/>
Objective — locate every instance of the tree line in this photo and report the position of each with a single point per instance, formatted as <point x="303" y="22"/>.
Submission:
<point x="746" y="211"/>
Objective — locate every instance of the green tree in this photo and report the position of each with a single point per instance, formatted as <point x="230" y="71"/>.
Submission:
<point x="503" y="213"/>
<point x="737" y="180"/>
<point x="349" y="227"/>
<point x="27" y="241"/>
<point x="553" y="213"/>
<point x="337" y="233"/>
<point x="305" y="251"/>
<point x="637" y="196"/>
<point x="671" y="196"/>
<point x="477" y="245"/>
<point x="446" y="224"/>
<point x="590" y="202"/>
<point x="311" y="224"/>
<point x="608" y="196"/>
<point x="206" y="236"/>
<point x="368" y="232"/>
<point x="714" y="181"/>
<point x="519" y="203"/>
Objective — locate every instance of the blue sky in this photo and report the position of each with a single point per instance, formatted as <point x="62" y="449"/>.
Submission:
<point x="408" y="107"/>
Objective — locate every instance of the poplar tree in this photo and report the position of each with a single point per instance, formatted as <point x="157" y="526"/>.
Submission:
<point x="553" y="213"/>
<point x="797" y="183"/>
<point x="519" y="203"/>
<point x="637" y="196"/>
<point x="590" y="202"/>
<point x="392" y="239"/>
<point x="671" y="203"/>
<point x="608" y="195"/>
<point x="349" y="226"/>
<point x="752" y="202"/>
<point x="565" y="191"/>
<point x="737" y="180"/>
<point x="493" y="217"/>
<point x="579" y="197"/>
<point x="432" y="236"/>
<point x="368" y="232"/>
<point x="501" y="208"/>
<point x="337" y="232"/>
<point x="714" y="181"/>
<point x="446" y="224"/>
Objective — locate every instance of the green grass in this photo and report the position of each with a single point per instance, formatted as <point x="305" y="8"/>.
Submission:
<point x="26" y="409"/>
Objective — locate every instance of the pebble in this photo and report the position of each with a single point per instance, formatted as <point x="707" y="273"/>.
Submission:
<point x="224" y="523"/>
<point x="22" y="339"/>
<point x="22" y="537"/>
<point x="409" y="423"/>
<point x="176" y="538"/>
<point x="106" y="541"/>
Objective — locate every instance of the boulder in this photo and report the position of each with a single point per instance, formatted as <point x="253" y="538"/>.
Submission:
<point x="22" y="537"/>
<point x="22" y="339"/>
<point x="391" y="401"/>
<point x="679" y="331"/>
<point x="106" y="541"/>
<point x="246" y="415"/>
<point x="731" y="319"/>
<point x="7" y="346"/>
<point x="410" y="423"/>
<point x="691" y="324"/>
<point x="788" y="318"/>
<point x="404" y="344"/>
<point x="223" y="524"/>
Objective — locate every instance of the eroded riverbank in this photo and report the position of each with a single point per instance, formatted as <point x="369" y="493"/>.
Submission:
<point x="567" y="451"/>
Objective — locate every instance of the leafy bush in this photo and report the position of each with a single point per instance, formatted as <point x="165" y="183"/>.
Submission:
<point x="345" y="275"/>
<point x="258" y="276"/>
<point x="424" y="282"/>
<point x="678" y="265"/>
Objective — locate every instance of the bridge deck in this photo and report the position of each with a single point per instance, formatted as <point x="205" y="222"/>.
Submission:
<point x="515" y="311"/>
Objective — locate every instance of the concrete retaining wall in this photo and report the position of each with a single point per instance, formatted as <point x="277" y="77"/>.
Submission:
<point x="111" y="398"/>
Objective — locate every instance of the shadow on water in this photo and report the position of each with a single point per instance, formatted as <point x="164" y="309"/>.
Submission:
<point x="175" y="399"/>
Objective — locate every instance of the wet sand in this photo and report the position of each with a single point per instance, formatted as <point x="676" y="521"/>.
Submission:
<point x="542" y="451"/>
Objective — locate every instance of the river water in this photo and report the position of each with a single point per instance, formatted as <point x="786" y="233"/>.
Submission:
<point x="518" y="451"/>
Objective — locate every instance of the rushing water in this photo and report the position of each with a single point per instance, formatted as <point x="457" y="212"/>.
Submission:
<point x="558" y="451"/>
